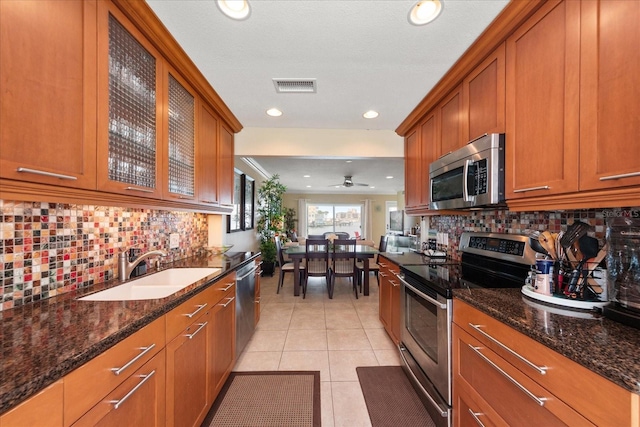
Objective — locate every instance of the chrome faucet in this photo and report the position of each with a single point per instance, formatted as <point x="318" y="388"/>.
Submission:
<point x="125" y="267"/>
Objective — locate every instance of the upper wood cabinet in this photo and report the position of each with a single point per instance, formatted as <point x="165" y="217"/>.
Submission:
<point x="483" y="97"/>
<point x="543" y="82"/>
<point x="48" y="92"/>
<point x="450" y="120"/>
<point x="130" y="110"/>
<point x="225" y="167"/>
<point x="609" y="107"/>
<point x="419" y="152"/>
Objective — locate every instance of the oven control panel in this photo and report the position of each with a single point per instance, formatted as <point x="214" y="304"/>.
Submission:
<point x="497" y="245"/>
<point x="509" y="247"/>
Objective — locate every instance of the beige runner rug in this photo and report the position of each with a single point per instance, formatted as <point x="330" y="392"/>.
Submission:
<point x="263" y="399"/>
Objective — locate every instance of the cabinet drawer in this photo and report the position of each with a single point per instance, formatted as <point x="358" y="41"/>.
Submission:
<point x="570" y="382"/>
<point x="219" y="290"/>
<point x="42" y="410"/>
<point x="138" y="401"/>
<point x="88" y="384"/>
<point x="513" y="395"/>
<point x="471" y="410"/>
<point x="184" y="314"/>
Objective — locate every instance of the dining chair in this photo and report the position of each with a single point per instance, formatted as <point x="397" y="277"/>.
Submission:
<point x="343" y="263"/>
<point x="339" y="234"/>
<point x="373" y="265"/>
<point x="316" y="236"/>
<point x="316" y="261"/>
<point x="286" y="266"/>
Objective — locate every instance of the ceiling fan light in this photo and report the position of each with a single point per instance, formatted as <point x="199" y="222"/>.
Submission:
<point x="424" y="11"/>
<point x="235" y="9"/>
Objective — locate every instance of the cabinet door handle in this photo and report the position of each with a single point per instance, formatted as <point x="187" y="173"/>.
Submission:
<point x="145" y="350"/>
<point x="227" y="288"/>
<point x="623" y="175"/>
<point x="44" y="173"/>
<point x="382" y="273"/>
<point x="524" y="190"/>
<point x="228" y="302"/>
<point x="539" y="400"/>
<point x="145" y="378"/>
<point x="258" y="301"/>
<point x="541" y="369"/>
<point x="200" y="307"/>
<point x="142" y="190"/>
<point x="382" y="264"/>
<point x="394" y="283"/>
<point x="211" y="202"/>
<point x="475" y="416"/>
<point x="201" y="326"/>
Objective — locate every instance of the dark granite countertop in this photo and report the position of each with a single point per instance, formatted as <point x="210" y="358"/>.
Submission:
<point x="45" y="340"/>
<point x="601" y="345"/>
<point x="406" y="258"/>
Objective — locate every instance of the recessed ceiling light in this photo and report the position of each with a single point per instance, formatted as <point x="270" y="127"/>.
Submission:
<point x="274" y="112"/>
<point x="370" y="114"/>
<point x="389" y="177"/>
<point x="308" y="186"/>
<point x="235" y="9"/>
<point x="373" y="186"/>
<point x="348" y="161"/>
<point x="424" y="11"/>
<point x="306" y="176"/>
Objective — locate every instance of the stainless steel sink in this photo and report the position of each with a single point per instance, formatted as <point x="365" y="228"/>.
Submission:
<point x="153" y="286"/>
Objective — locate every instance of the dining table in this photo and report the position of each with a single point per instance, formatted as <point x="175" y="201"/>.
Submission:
<point x="297" y="253"/>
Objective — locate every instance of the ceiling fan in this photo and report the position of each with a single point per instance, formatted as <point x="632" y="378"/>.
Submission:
<point x="348" y="182"/>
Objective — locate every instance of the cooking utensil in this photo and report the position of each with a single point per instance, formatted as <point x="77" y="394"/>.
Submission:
<point x="573" y="233"/>
<point x="592" y="264"/>
<point x="537" y="246"/>
<point x="589" y="248"/>
<point x="548" y="243"/>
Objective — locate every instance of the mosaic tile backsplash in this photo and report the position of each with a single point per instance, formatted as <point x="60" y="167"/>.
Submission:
<point x="50" y="248"/>
<point x="503" y="221"/>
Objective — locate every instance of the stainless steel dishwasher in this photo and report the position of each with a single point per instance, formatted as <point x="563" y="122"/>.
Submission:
<point x="245" y="305"/>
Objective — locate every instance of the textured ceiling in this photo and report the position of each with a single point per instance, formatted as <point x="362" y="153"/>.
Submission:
<point x="364" y="55"/>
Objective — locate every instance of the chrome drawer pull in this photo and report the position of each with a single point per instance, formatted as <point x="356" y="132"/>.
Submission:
<point x="539" y="400"/>
<point x="145" y="350"/>
<point x="202" y="325"/>
<point x="200" y="307"/>
<point x="623" y="175"/>
<point x="524" y="190"/>
<point x="142" y="190"/>
<point x="228" y="302"/>
<point x="475" y="416"/>
<point x="394" y="283"/>
<point x="382" y="264"/>
<point x="117" y="403"/>
<point x="382" y="273"/>
<point x="541" y="369"/>
<point x="44" y="173"/>
<point x="227" y="288"/>
<point x="211" y="202"/>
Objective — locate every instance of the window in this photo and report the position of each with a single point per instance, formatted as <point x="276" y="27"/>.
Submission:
<point x="241" y="218"/>
<point x="323" y="218"/>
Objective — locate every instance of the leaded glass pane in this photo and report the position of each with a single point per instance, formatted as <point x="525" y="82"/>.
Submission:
<point x="181" y="139"/>
<point x="132" y="109"/>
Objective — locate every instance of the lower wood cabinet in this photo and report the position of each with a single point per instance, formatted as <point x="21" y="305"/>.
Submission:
<point x="223" y="339"/>
<point x="138" y="401"/>
<point x="43" y="410"/>
<point x="187" y="398"/>
<point x="389" y="298"/>
<point x="506" y="378"/>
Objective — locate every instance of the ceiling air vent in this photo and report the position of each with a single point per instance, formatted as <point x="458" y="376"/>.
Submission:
<point x="295" y="85"/>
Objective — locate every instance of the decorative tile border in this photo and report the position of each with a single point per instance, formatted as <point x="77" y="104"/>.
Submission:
<point x="50" y="248"/>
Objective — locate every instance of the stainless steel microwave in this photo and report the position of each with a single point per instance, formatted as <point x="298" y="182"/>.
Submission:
<point x="472" y="176"/>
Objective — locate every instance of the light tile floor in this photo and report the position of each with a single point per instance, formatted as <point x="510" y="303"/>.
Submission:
<point x="333" y="336"/>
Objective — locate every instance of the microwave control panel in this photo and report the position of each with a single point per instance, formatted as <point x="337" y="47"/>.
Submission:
<point x="479" y="170"/>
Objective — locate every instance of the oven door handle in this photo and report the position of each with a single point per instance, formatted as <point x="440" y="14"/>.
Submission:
<point x="444" y="413"/>
<point x="422" y="295"/>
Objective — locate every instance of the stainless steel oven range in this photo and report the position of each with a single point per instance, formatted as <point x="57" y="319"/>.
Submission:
<point x="488" y="260"/>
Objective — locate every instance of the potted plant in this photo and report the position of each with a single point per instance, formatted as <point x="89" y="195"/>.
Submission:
<point x="290" y="221"/>
<point x="270" y="220"/>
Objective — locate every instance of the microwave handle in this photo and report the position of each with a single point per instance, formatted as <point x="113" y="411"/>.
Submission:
<point x="465" y="184"/>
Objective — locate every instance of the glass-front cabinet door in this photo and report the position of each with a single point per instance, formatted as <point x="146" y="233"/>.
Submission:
<point x="130" y="114"/>
<point x="180" y="128"/>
